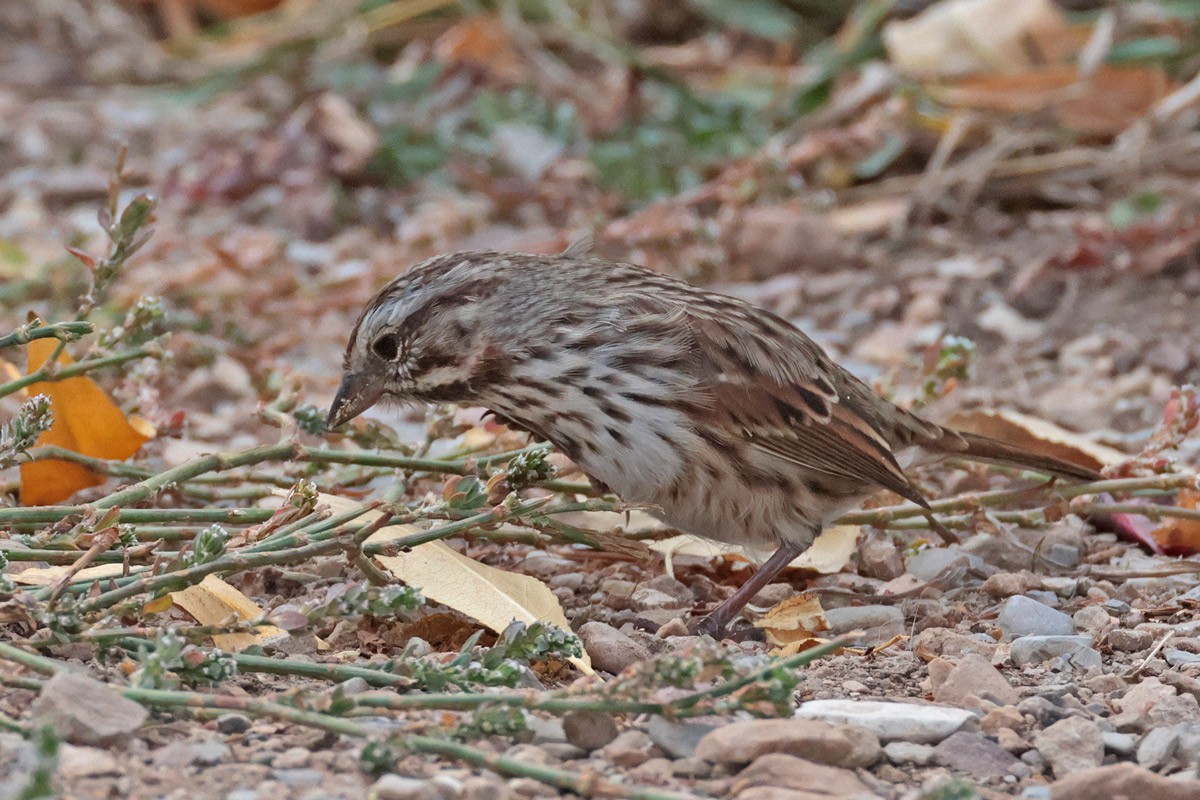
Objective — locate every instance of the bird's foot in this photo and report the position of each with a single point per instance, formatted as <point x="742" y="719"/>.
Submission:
<point x="720" y="629"/>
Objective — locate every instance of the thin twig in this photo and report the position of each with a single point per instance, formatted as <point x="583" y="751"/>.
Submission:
<point x="53" y="371"/>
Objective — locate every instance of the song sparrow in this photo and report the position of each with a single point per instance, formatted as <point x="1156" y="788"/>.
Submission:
<point x="722" y="418"/>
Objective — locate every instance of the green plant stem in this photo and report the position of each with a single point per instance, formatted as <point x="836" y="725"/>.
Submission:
<point x="301" y="453"/>
<point x="1148" y="510"/>
<point x="581" y="784"/>
<point x="394" y="546"/>
<point x="133" y="637"/>
<point x="9" y="724"/>
<point x="882" y="516"/>
<point x="63" y="331"/>
<point x="225" y="565"/>
<point x="316" y="530"/>
<point x="46" y="666"/>
<point x="134" y="516"/>
<point x="53" y="371"/>
<point x="64" y="556"/>
<point x="210" y="463"/>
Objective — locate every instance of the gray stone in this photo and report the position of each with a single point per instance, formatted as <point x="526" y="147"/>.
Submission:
<point x="85" y="762"/>
<point x="880" y="558"/>
<point x="878" y="623"/>
<point x="562" y="751"/>
<point x="677" y="739"/>
<point x="448" y="786"/>
<point x="610" y="649"/>
<point x="1064" y="554"/>
<point x="777" y="775"/>
<point x="298" y="777"/>
<point x="1044" y="596"/>
<point x="1071" y="745"/>
<point x="189" y="752"/>
<point x="1124" y="781"/>
<point x="647" y="599"/>
<point x="1157" y="748"/>
<point x="1062" y="587"/>
<point x="952" y="644"/>
<point x="530" y="754"/>
<point x="1020" y="616"/>
<point x="589" y="730"/>
<point x="668" y="585"/>
<point x="1125" y="640"/>
<point x="910" y="722"/>
<point x="908" y="753"/>
<point x="1091" y="620"/>
<point x="1137" y="704"/>
<point x="85" y="711"/>
<point x="1179" y="658"/>
<point x="974" y="754"/>
<point x="691" y="768"/>
<point x="837" y="745"/>
<point x="545" y="730"/>
<point x="399" y="787"/>
<point x="1001" y="552"/>
<point x="932" y="562"/>
<point x="1123" y="744"/>
<point x="630" y="749"/>
<point x="974" y="679"/>
<point x="1069" y="651"/>
<point x="233" y="723"/>
<point x="292" y="758"/>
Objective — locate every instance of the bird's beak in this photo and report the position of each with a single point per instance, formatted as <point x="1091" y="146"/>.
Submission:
<point x="357" y="393"/>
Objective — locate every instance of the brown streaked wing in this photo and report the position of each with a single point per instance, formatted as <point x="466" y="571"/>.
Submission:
<point x="726" y="349"/>
<point x="844" y="447"/>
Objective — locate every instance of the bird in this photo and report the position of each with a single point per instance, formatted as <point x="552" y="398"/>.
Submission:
<point x="721" y="418"/>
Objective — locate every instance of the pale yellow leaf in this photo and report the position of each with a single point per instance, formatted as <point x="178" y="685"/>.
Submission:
<point x="960" y="37"/>
<point x="44" y="576"/>
<point x="213" y="601"/>
<point x="829" y="553"/>
<point x="794" y="622"/>
<point x="490" y="596"/>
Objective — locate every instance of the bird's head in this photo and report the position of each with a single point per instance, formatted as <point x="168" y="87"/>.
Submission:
<point x="424" y="337"/>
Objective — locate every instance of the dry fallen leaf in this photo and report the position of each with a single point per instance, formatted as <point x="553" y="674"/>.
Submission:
<point x="1103" y="103"/>
<point x="46" y="576"/>
<point x="482" y="42"/>
<point x="1038" y="435"/>
<point x="829" y="553"/>
<point x="85" y="420"/>
<point x="213" y="601"/>
<point x="1180" y="537"/>
<point x="959" y="37"/>
<point x="793" y="625"/>
<point x="488" y="595"/>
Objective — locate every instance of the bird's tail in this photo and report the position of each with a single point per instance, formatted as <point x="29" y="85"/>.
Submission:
<point x="994" y="451"/>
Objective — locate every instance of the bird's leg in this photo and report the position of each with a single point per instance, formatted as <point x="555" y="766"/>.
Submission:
<point x="714" y="623"/>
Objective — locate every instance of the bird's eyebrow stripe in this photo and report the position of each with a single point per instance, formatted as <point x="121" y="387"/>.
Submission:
<point x="463" y="294"/>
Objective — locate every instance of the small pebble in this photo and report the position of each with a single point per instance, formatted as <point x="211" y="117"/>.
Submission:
<point x="233" y="723"/>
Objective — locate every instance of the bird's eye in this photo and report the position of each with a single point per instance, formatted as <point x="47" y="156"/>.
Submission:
<point x="386" y="346"/>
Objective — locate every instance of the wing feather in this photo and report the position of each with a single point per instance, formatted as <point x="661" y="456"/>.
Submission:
<point x="802" y="409"/>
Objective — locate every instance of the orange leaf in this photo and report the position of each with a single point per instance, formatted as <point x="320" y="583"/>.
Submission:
<point x="481" y="42"/>
<point x="1180" y="537"/>
<point x="1101" y="104"/>
<point x="85" y="420"/>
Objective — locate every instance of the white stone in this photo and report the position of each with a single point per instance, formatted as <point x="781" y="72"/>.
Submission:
<point x="908" y="722"/>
